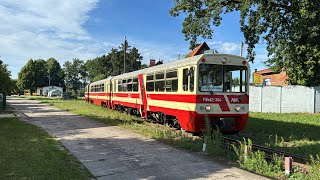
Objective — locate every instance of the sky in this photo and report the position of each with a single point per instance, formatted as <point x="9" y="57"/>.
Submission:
<point x="86" y="29"/>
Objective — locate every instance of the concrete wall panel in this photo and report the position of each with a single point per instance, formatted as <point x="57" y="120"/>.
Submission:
<point x="271" y="99"/>
<point x="255" y="99"/>
<point x="297" y="99"/>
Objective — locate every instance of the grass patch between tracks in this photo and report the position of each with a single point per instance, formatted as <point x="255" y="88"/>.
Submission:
<point x="28" y="152"/>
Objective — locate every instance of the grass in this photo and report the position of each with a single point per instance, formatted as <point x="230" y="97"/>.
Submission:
<point x="28" y="152"/>
<point x="296" y="133"/>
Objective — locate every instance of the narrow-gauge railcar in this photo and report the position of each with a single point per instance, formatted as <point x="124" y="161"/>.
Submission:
<point x="182" y="93"/>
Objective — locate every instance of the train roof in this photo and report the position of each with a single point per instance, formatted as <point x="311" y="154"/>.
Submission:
<point x="172" y="65"/>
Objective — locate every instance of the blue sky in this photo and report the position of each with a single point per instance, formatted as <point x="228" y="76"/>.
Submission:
<point x="89" y="28"/>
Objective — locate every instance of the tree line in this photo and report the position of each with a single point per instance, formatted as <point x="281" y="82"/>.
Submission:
<point x="75" y="74"/>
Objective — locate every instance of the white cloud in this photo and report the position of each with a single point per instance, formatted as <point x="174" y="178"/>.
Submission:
<point x="225" y="47"/>
<point x="46" y="28"/>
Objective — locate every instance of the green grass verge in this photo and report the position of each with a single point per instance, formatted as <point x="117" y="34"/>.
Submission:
<point x="28" y="152"/>
<point x="296" y="133"/>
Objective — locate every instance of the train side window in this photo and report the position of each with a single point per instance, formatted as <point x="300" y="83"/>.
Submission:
<point x="129" y="86"/>
<point x="119" y="85"/>
<point x="159" y="82"/>
<point x="191" y="73"/>
<point x="114" y="86"/>
<point x="172" y="81"/>
<point x="135" y="85"/>
<point x="124" y="85"/>
<point x="102" y="88"/>
<point x="150" y="82"/>
<point x="185" y="81"/>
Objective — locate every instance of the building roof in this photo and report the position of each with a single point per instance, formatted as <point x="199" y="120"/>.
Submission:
<point x="196" y="50"/>
<point x="264" y="71"/>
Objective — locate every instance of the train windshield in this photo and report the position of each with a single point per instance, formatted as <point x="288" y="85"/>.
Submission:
<point x="222" y="78"/>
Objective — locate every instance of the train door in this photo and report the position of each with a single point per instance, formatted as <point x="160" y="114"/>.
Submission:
<point x="109" y="95"/>
<point x="143" y="97"/>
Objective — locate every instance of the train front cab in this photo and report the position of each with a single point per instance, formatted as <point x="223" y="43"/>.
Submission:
<point x="222" y="93"/>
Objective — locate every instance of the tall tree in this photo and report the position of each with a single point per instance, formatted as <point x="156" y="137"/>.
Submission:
<point x="98" y="68"/>
<point x="5" y="81"/>
<point x="291" y="29"/>
<point x="33" y="75"/>
<point x="75" y="74"/>
<point x="55" y="73"/>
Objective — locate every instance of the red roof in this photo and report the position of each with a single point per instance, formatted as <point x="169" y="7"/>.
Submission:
<point x="196" y="50"/>
<point x="264" y="71"/>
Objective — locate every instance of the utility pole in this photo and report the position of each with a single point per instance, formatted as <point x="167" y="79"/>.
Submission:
<point x="124" y="57"/>
<point x="241" y="47"/>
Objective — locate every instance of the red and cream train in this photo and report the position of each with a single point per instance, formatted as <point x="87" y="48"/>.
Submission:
<point x="182" y="93"/>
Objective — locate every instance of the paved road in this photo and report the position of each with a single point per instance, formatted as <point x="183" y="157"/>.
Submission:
<point x="110" y="152"/>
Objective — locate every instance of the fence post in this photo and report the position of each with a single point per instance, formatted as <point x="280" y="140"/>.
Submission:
<point x="288" y="165"/>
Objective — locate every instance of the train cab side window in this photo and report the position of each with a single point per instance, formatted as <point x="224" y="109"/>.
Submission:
<point x="172" y="81"/>
<point x="135" y="85"/>
<point x="129" y="86"/>
<point x="159" y="82"/>
<point x="114" y="86"/>
<point x="185" y="81"/>
<point x="150" y="82"/>
<point x="191" y="74"/>
<point x="119" y="85"/>
<point x="124" y="85"/>
<point x="102" y="88"/>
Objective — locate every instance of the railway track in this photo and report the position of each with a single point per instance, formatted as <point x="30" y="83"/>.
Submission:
<point x="270" y="151"/>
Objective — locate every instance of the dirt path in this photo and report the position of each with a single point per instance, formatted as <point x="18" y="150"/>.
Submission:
<point x="110" y="152"/>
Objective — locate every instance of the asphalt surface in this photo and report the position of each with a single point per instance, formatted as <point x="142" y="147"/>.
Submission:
<point x="110" y="152"/>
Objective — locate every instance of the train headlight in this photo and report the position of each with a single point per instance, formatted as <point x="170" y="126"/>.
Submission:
<point x="208" y="108"/>
<point x="201" y="108"/>
<point x="237" y="108"/>
<point x="243" y="108"/>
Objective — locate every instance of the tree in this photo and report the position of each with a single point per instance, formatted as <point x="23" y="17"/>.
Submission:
<point x="33" y="75"/>
<point x="55" y="73"/>
<point x="112" y="63"/>
<point x="291" y="29"/>
<point x="5" y="81"/>
<point x="75" y="74"/>
<point x="98" y="68"/>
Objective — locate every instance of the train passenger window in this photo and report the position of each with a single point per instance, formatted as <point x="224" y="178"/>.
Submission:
<point x="129" y="86"/>
<point x="150" y="82"/>
<point x="185" y="81"/>
<point x="150" y="77"/>
<point x="171" y="81"/>
<point x="102" y="88"/>
<point x="160" y="76"/>
<point x="159" y="82"/>
<point x="119" y="85"/>
<point x="135" y="85"/>
<point x="124" y="85"/>
<point x="159" y="85"/>
<point x="114" y="86"/>
<point x="191" y="74"/>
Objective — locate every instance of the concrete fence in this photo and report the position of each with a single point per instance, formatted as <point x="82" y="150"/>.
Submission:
<point x="289" y="99"/>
